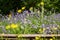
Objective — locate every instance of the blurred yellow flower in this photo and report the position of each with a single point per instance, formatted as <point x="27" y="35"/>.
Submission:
<point x="23" y="8"/>
<point x="19" y="11"/>
<point x="37" y="38"/>
<point x="52" y="35"/>
<point x="8" y="26"/>
<point x="31" y="8"/>
<point x="51" y="39"/>
<point x="14" y="25"/>
<point x="9" y="15"/>
<point x="44" y="29"/>
<point x="40" y="30"/>
<point x="42" y="3"/>
<point x="55" y="28"/>
<point x="20" y="35"/>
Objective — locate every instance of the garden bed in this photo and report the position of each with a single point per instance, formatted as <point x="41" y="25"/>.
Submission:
<point x="29" y="26"/>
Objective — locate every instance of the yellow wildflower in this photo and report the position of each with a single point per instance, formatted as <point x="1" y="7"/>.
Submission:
<point x="9" y="15"/>
<point x="14" y="25"/>
<point x="51" y="39"/>
<point x="37" y="38"/>
<point x="19" y="35"/>
<point x="31" y="8"/>
<point x="23" y="8"/>
<point x="52" y="35"/>
<point x="19" y="11"/>
<point x="55" y="28"/>
<point x="8" y="26"/>
<point x="43" y="29"/>
<point x="40" y="30"/>
<point x="42" y="3"/>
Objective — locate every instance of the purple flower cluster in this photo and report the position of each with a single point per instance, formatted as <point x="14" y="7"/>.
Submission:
<point x="29" y="17"/>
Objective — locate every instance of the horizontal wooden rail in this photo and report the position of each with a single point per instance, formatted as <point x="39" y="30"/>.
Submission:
<point x="29" y="35"/>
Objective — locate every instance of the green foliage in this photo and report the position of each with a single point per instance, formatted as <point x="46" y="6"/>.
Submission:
<point x="52" y="4"/>
<point x="7" y="5"/>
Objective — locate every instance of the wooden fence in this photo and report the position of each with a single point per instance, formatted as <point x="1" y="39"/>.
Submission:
<point x="28" y="36"/>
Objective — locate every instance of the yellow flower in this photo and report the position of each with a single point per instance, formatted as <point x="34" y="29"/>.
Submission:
<point x="40" y="30"/>
<point x="23" y="8"/>
<point x="19" y="11"/>
<point x="51" y="39"/>
<point x="8" y="26"/>
<point x="37" y="38"/>
<point x="52" y="35"/>
<point x="14" y="25"/>
<point x="9" y="15"/>
<point x="31" y="8"/>
<point x="42" y="3"/>
<point x="20" y="35"/>
<point x="55" y="28"/>
<point x="43" y="29"/>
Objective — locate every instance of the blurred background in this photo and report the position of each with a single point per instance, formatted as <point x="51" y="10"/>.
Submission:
<point x="13" y="5"/>
<point x="30" y="17"/>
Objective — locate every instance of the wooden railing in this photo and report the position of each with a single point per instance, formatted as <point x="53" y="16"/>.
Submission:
<point x="30" y="36"/>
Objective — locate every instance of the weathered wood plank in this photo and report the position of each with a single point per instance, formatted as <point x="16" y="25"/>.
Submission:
<point x="29" y="35"/>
